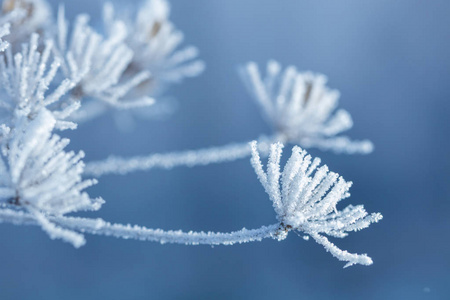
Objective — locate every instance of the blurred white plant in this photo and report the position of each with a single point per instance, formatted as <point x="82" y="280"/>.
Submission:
<point x="301" y="108"/>
<point x="155" y="42"/>
<point x="26" y="17"/>
<point x="26" y="78"/>
<point x="97" y="65"/>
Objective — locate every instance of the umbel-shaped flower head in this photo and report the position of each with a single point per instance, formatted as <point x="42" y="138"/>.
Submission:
<point x="97" y="64"/>
<point x="301" y="108"/>
<point x="305" y="197"/>
<point x="37" y="175"/>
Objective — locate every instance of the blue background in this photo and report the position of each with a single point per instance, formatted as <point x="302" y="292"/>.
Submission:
<point x="391" y="62"/>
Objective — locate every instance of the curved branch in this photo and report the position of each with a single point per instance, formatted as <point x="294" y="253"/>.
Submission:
<point x="189" y="158"/>
<point x="101" y="227"/>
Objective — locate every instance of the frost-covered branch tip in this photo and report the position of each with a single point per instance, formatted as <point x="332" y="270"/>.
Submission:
<point x="305" y="197"/>
<point x="301" y="108"/>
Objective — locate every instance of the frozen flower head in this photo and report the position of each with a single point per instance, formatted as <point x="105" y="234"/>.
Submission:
<point x="301" y="108"/>
<point x="305" y="198"/>
<point x="97" y="64"/>
<point x="155" y="42"/>
<point x="26" y="78"/>
<point x="37" y="175"/>
<point x="26" y="17"/>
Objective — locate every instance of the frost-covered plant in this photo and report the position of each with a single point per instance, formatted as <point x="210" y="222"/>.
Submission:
<point x="301" y="108"/>
<point x="97" y="64"/>
<point x="305" y="198"/>
<point x="26" y="78"/>
<point x="40" y="182"/>
<point x="155" y="43"/>
<point x="36" y="174"/>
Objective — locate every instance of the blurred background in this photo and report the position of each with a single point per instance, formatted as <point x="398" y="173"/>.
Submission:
<point x="391" y="62"/>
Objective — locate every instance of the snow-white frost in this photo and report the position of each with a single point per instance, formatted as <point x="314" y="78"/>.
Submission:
<point x="301" y="108"/>
<point x="305" y="197"/>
